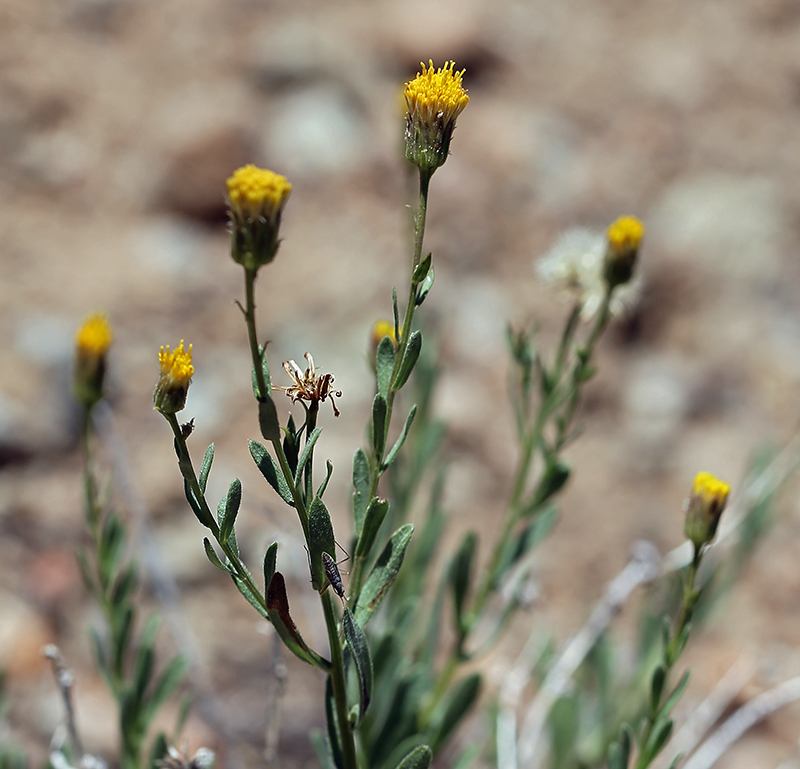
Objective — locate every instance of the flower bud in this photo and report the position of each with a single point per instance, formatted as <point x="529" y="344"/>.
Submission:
<point x="176" y="376"/>
<point x="434" y="99"/>
<point x="256" y="199"/>
<point x="704" y="508"/>
<point x="92" y="341"/>
<point x="624" y="237"/>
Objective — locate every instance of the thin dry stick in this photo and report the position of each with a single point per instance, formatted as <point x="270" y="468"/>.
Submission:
<point x="710" y="710"/>
<point x="275" y="692"/>
<point x="743" y="719"/>
<point x="559" y="677"/>
<point x="65" y="679"/>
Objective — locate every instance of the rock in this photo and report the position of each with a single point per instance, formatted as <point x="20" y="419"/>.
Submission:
<point x="317" y="129"/>
<point x="194" y="183"/>
<point x="729" y="223"/>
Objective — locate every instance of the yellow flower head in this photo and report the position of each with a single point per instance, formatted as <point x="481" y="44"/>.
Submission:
<point x="625" y="233"/>
<point x="434" y="99"/>
<point x="704" y="508"/>
<point x="94" y="337"/>
<point x="256" y="192"/>
<point x="92" y="341"/>
<point x="383" y="328"/>
<point x="257" y="198"/>
<point x="624" y="237"/>
<point x="175" y="378"/>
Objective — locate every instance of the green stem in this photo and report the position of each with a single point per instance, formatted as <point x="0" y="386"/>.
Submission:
<point x="376" y="469"/>
<point x="250" y="322"/>
<point x="338" y="682"/>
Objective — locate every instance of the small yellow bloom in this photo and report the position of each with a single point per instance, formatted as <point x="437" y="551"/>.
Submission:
<point x="434" y="99"/>
<point x="175" y="378"/>
<point x="94" y="337"/>
<point x="256" y="192"/>
<point x="257" y="198"/>
<point x="704" y="508"/>
<point x="624" y="237"/>
<point x="380" y="329"/>
<point x="92" y="341"/>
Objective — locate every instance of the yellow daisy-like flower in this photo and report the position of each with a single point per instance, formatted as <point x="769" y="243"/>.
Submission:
<point x="257" y="198"/>
<point x="624" y="237"/>
<point x="94" y="337"/>
<point x="92" y="341"/>
<point x="176" y="376"/>
<point x="257" y="192"/>
<point x="434" y="99"/>
<point x="704" y="508"/>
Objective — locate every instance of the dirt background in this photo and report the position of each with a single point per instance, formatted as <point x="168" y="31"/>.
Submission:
<point x="121" y="119"/>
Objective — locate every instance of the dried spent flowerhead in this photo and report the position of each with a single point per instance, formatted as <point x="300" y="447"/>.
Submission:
<point x="308" y="385"/>
<point x="179" y="759"/>
<point x="576" y="264"/>
<point x="434" y="99"/>
<point x="256" y="198"/>
<point x="92" y="341"/>
<point x="176" y="376"/>
<point x="704" y="508"/>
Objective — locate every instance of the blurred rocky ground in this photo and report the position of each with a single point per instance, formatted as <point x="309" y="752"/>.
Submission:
<point x="121" y="119"/>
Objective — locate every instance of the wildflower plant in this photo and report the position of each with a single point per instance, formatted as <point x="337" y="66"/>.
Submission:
<point x="124" y="652"/>
<point x="399" y="669"/>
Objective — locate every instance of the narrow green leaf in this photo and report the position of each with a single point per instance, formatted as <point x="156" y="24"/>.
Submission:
<point x="359" y="647"/>
<point x="278" y="611"/>
<point x="460" y="574"/>
<point x="379" y="424"/>
<point x="145" y="658"/>
<point x="376" y="512"/>
<point x="270" y="561"/>
<point x="320" y="540"/>
<point x="123" y="638"/>
<point x="662" y="731"/>
<point x="614" y="759"/>
<point x="262" y="353"/>
<point x="675" y="761"/>
<point x="657" y="687"/>
<point x="198" y="509"/>
<point x="384" y="365"/>
<point x="271" y="471"/>
<point x="555" y="477"/>
<point x="425" y="288"/>
<point x="410" y="357"/>
<point x="421" y="270"/>
<point x="328" y="473"/>
<point x="361" y="488"/>
<point x="675" y="694"/>
<point x="321" y="749"/>
<point x="268" y="421"/>
<point x="390" y="457"/>
<point x="158" y="751"/>
<point x="453" y="708"/>
<point x="306" y="453"/>
<point x="168" y="682"/>
<point x="205" y="468"/>
<point x="395" y="313"/>
<point x="419" y="758"/>
<point x="233" y="502"/>
<point x="212" y="555"/>
<point x="383" y="574"/>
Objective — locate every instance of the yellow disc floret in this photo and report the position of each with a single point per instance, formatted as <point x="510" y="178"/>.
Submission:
<point x="176" y="376"/>
<point x="176" y="365"/>
<point x="625" y="234"/>
<point x="704" y="508"/>
<point x="436" y="95"/>
<point x="257" y="193"/>
<point x="711" y="489"/>
<point x="94" y="337"/>
<point x="434" y="99"/>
